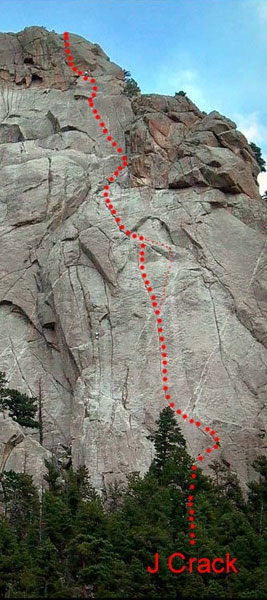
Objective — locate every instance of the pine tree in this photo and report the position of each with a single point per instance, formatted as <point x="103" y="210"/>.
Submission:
<point x="48" y="570"/>
<point x="227" y="484"/>
<point x="20" y="499"/>
<point x="258" y="156"/>
<point x="7" y="553"/>
<point x="78" y="488"/>
<point x="172" y="462"/>
<point x="131" y="88"/>
<point x="126" y="75"/>
<point x="258" y="496"/>
<point x="87" y="552"/>
<point x="181" y="93"/>
<point x="52" y="476"/>
<point x="21" y="407"/>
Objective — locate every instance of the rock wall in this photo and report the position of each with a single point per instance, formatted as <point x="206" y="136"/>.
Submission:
<point x="66" y="271"/>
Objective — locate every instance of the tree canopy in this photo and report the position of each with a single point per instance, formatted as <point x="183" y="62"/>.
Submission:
<point x="66" y="541"/>
<point x="20" y="407"/>
<point x="258" y="156"/>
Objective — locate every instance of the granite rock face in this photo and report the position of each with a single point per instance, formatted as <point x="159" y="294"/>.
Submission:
<point x="67" y="271"/>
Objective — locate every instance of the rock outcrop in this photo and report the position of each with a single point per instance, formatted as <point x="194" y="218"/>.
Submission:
<point x="68" y="272"/>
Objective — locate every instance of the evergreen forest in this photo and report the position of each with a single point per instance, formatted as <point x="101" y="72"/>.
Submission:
<point x="66" y="541"/>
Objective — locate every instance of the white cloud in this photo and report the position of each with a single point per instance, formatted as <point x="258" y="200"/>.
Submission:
<point x="188" y="81"/>
<point x="251" y="127"/>
<point x="261" y="9"/>
<point x="262" y="181"/>
<point x="260" y="12"/>
<point x="186" y="75"/>
<point x="254" y="131"/>
<point x="171" y="80"/>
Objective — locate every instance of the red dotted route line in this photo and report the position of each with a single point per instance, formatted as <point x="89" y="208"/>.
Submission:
<point x="156" y="305"/>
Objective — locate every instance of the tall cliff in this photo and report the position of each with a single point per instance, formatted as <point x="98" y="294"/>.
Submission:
<point x="68" y="272"/>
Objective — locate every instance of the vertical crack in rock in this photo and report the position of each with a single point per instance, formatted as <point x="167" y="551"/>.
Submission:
<point x="224" y="358"/>
<point x="124" y="395"/>
<point x="108" y="318"/>
<point x="17" y="362"/>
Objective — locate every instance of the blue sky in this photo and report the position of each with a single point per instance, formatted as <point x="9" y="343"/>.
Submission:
<point x="215" y="50"/>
